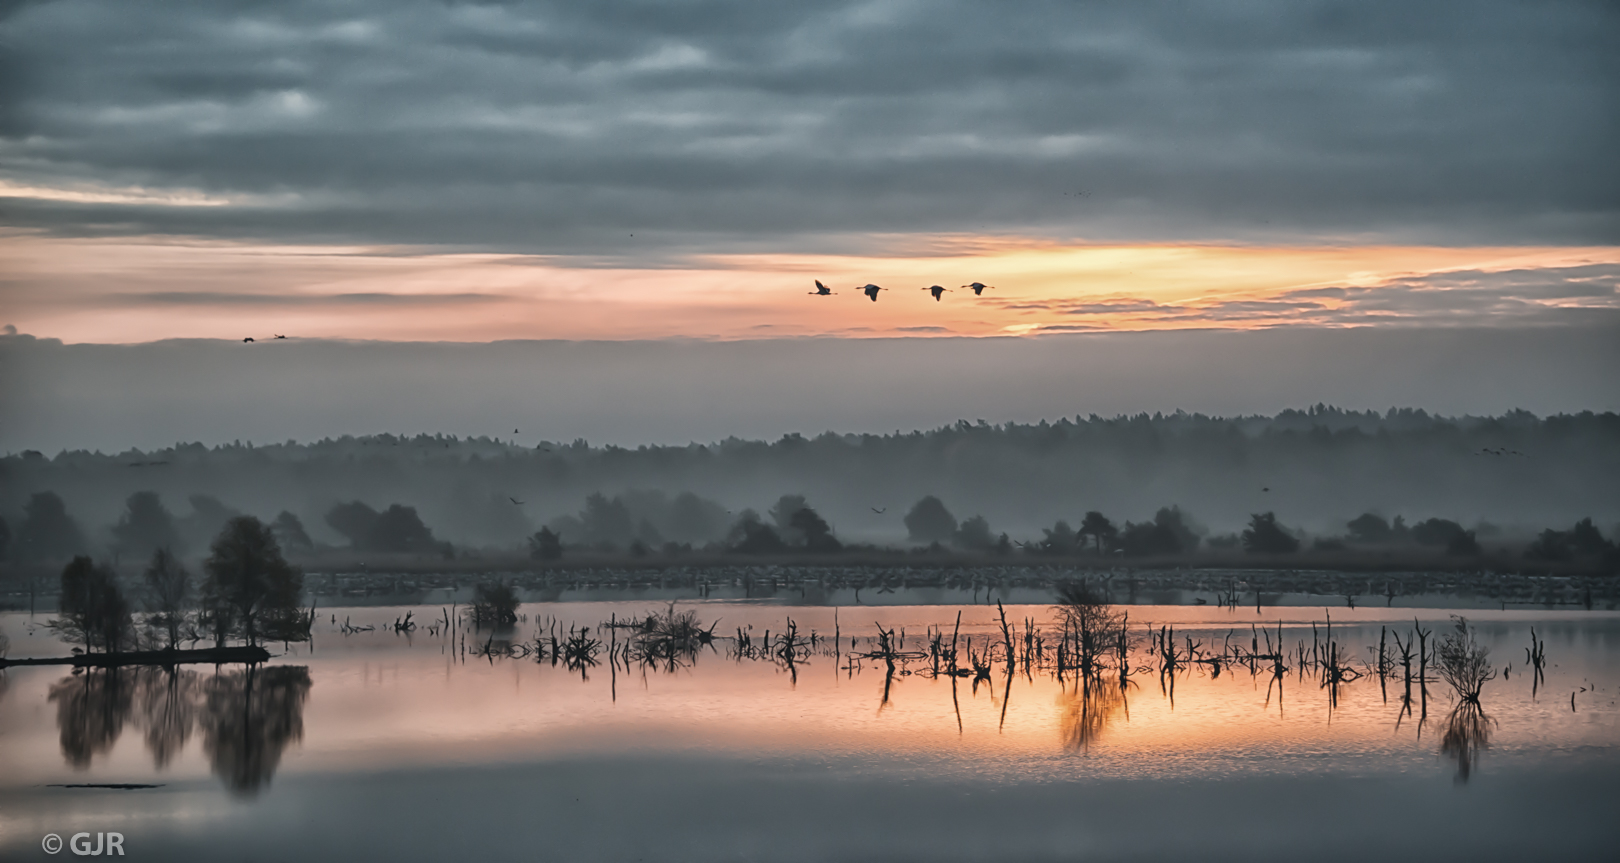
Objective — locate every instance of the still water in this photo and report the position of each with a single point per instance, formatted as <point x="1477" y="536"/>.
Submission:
<point x="430" y="744"/>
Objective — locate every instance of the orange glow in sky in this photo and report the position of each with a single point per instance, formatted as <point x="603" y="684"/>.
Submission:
<point x="135" y="290"/>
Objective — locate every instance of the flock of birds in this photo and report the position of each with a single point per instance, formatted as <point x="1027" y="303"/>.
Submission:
<point x="871" y="290"/>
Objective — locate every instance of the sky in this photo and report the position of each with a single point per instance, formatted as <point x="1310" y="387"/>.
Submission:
<point x="417" y="172"/>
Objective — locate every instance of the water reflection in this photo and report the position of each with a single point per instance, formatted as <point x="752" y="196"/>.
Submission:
<point x="91" y="709"/>
<point x="169" y="710"/>
<point x="1088" y="708"/>
<point x="246" y="717"/>
<point x="1467" y="733"/>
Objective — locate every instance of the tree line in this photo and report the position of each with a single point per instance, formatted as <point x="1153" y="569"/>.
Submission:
<point x="644" y="523"/>
<point x="1320" y="464"/>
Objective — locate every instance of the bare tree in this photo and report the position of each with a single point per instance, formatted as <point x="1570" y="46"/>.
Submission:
<point x="1464" y="663"/>
<point x="168" y="594"/>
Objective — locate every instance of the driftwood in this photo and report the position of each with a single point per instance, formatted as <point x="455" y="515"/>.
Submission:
<point x="212" y="655"/>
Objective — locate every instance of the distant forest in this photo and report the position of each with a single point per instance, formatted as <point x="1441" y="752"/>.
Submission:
<point x="1321" y="478"/>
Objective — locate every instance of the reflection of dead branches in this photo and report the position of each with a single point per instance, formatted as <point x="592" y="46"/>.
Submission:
<point x="1087" y="710"/>
<point x="1467" y="734"/>
<point x="1536" y="657"/>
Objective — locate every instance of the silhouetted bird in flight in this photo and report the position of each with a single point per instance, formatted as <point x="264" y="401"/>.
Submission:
<point x="821" y="290"/>
<point x="280" y="336"/>
<point x="515" y="500"/>
<point x="978" y="288"/>
<point x="937" y="291"/>
<point x="880" y="511"/>
<point x="514" y="431"/>
<point x="1267" y="488"/>
<point x="871" y="292"/>
<point x="246" y="340"/>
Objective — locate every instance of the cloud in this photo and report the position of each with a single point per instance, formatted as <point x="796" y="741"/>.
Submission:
<point x="742" y="125"/>
<point x="227" y="298"/>
<point x="923" y="329"/>
<point x="1546" y="295"/>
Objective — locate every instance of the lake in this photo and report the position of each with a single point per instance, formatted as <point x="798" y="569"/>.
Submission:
<point x="431" y="744"/>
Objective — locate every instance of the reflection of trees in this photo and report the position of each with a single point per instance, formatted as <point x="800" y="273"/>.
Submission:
<point x="91" y="708"/>
<point x="1467" y="734"/>
<point x="1087" y="710"/>
<point x="168" y="701"/>
<point x="248" y="718"/>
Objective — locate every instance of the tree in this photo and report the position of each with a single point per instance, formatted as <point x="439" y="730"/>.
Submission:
<point x="1370" y="529"/>
<point x="93" y="610"/>
<point x="752" y="536"/>
<point x="47" y="532"/>
<point x="1436" y="531"/>
<point x="1100" y="529"/>
<point x="395" y="530"/>
<point x="251" y="588"/>
<point x="145" y="526"/>
<point x="1464" y="663"/>
<point x="817" y="535"/>
<point x="1180" y="525"/>
<point x="1585" y="540"/>
<point x="495" y="603"/>
<point x="1264" y="536"/>
<point x="207" y="519"/>
<point x="1552" y="545"/>
<point x="168" y="593"/>
<point x="1059" y="539"/>
<point x="693" y="519"/>
<point x="606" y="522"/>
<point x="1463" y="544"/>
<point x="5" y="539"/>
<point x="354" y="521"/>
<point x="930" y="521"/>
<point x="787" y="506"/>
<point x="399" y="530"/>
<point x="546" y="544"/>
<point x="974" y="534"/>
<point x="290" y="533"/>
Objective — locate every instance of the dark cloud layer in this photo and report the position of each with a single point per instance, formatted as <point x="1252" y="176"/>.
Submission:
<point x="751" y="124"/>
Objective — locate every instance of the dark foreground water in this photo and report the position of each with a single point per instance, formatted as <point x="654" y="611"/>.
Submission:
<point x="375" y="745"/>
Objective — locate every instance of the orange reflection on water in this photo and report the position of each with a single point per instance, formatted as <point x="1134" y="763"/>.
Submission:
<point x="376" y="701"/>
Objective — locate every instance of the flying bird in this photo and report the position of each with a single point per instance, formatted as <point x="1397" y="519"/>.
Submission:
<point x="280" y="336"/>
<point x="879" y="511"/>
<point x="1267" y="488"/>
<point x="871" y="291"/>
<point x="515" y="500"/>
<point x="246" y="340"/>
<point x="979" y="288"/>
<point x="937" y="291"/>
<point x="821" y="290"/>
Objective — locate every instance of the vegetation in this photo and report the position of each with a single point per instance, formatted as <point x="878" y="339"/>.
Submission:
<point x="168" y="595"/>
<point x="1265" y="536"/>
<point x="251" y="591"/>
<point x="546" y="544"/>
<point x="396" y="530"/>
<point x="929" y="521"/>
<point x="145" y="526"/>
<point x="47" y="532"/>
<point x="93" y="611"/>
<point x="494" y="604"/>
<point x="1463" y="662"/>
